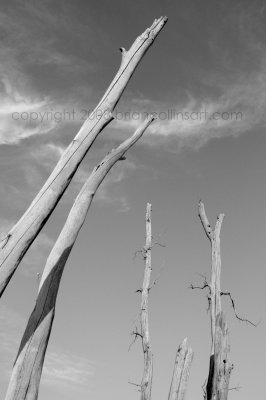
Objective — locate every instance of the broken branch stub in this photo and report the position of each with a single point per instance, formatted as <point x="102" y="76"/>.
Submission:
<point x="183" y="361"/>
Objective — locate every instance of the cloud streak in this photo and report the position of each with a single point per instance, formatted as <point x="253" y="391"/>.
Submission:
<point x="36" y="64"/>
<point x="227" y="101"/>
<point x="67" y="369"/>
<point x="238" y="109"/>
<point x="14" y="107"/>
<point x="62" y="369"/>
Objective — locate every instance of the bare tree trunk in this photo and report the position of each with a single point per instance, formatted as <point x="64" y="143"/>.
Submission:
<point x="184" y="357"/>
<point x="146" y="383"/>
<point x="20" y="237"/>
<point x="218" y="371"/>
<point x="26" y="374"/>
<point x="222" y="361"/>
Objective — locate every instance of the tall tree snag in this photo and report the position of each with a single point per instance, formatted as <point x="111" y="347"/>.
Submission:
<point x="183" y="360"/>
<point x="146" y="383"/>
<point x="26" y="374"/>
<point x="220" y="367"/>
<point x="20" y="237"/>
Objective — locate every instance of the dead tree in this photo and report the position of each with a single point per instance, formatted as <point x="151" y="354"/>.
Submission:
<point x="26" y="374"/>
<point x="18" y="240"/>
<point x="184" y="354"/>
<point x="146" y="383"/>
<point x="220" y="366"/>
<point x="183" y="360"/>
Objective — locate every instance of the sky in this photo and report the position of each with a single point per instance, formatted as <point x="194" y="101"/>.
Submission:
<point x="205" y="78"/>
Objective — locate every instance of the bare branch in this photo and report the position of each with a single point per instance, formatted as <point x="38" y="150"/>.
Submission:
<point x="158" y="244"/>
<point x="205" y="285"/>
<point x="136" y="334"/>
<point x="144" y="249"/>
<point x="135" y="384"/>
<point x="138" y="252"/>
<point x="218" y="224"/>
<point x="204" y="220"/>
<point x="235" y="312"/>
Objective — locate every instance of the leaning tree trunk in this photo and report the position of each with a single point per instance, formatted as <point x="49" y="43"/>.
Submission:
<point x="220" y="366"/>
<point x="20" y="237"/>
<point x="146" y="383"/>
<point x="183" y="360"/>
<point x="26" y="374"/>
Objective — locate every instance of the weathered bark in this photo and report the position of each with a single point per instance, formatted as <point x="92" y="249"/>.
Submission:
<point x="221" y="355"/>
<point x="183" y="360"/>
<point x="26" y="374"/>
<point x="20" y="237"/>
<point x="217" y="370"/>
<point x="146" y="383"/>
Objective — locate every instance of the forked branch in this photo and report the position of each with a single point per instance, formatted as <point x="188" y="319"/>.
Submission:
<point x="220" y="367"/>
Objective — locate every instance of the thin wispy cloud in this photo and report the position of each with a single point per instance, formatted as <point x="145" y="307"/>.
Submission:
<point x="14" y="109"/>
<point x="35" y="34"/>
<point x="239" y="108"/>
<point x="35" y="66"/>
<point x="228" y="100"/>
<point x="62" y="369"/>
<point x="67" y="369"/>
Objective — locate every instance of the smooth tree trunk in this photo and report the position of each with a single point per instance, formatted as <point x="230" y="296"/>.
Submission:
<point x="146" y="383"/>
<point x="183" y="360"/>
<point x="26" y="374"/>
<point x="218" y="365"/>
<point x="14" y="246"/>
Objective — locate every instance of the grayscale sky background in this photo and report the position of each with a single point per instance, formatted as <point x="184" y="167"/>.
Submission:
<point x="59" y="56"/>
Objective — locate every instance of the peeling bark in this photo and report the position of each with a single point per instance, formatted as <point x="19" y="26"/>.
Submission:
<point x="27" y="228"/>
<point x="26" y="374"/>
